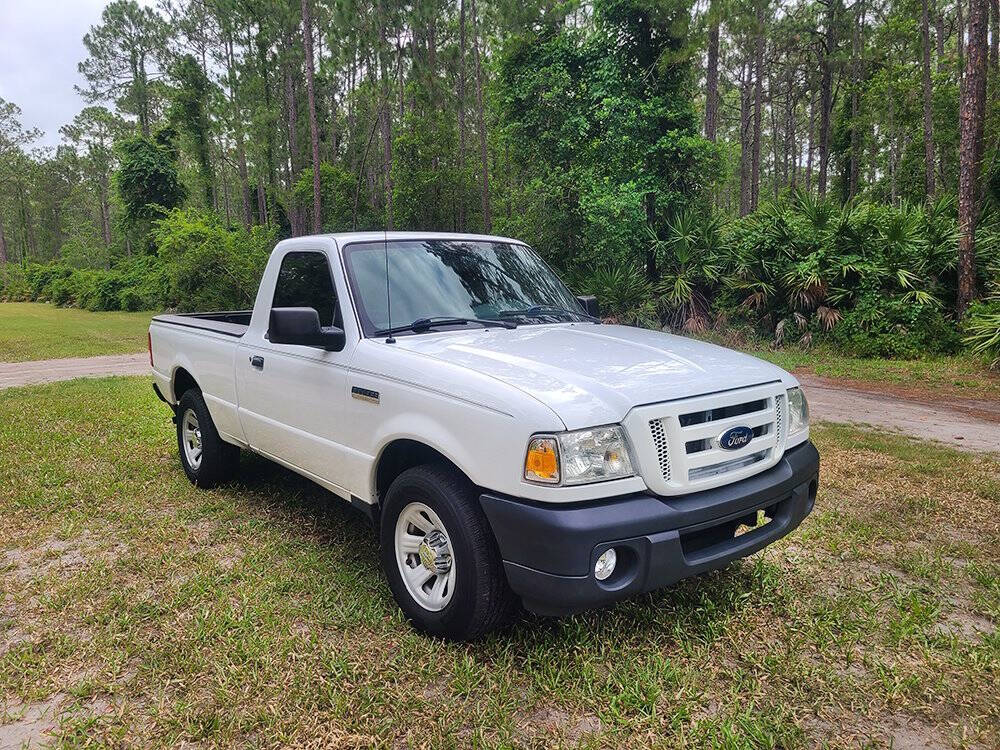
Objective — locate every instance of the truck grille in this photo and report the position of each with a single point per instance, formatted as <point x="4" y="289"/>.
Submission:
<point x="662" y="451"/>
<point x="683" y="453"/>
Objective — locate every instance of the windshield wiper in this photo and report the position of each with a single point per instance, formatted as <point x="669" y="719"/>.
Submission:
<point x="425" y="324"/>
<point x="547" y="309"/>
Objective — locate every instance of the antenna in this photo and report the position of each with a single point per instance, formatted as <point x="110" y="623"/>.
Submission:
<point x="388" y="298"/>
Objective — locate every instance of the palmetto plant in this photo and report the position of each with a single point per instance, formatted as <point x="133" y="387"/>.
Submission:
<point x="983" y="330"/>
<point x="625" y="295"/>
<point x="688" y="258"/>
<point x="800" y="263"/>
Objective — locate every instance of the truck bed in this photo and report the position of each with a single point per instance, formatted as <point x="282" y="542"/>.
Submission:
<point x="229" y="323"/>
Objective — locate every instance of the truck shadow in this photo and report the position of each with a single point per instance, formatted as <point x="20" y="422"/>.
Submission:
<point x="693" y="610"/>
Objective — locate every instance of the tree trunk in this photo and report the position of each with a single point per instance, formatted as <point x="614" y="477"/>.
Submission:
<point x="826" y="93"/>
<point x="386" y="120"/>
<point x="241" y="154"/>
<point x="777" y="174"/>
<point x="856" y="143"/>
<point x="925" y="40"/>
<point x="893" y="150"/>
<point x="712" y="75"/>
<point x="461" y="111"/>
<point x="481" y="123"/>
<point x="746" y="145"/>
<point x="3" y="245"/>
<point x="811" y="147"/>
<point x="971" y="115"/>
<point x="758" y="106"/>
<point x="296" y="219"/>
<point x="313" y="127"/>
<point x="960" y="36"/>
<point x="105" y="212"/>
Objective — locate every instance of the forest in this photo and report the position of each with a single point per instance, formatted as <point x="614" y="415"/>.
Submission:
<point x="795" y="171"/>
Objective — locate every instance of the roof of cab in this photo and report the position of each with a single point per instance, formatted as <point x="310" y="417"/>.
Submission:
<point x="342" y="238"/>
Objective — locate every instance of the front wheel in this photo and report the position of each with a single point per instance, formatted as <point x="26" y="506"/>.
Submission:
<point x="440" y="557"/>
<point x="207" y="458"/>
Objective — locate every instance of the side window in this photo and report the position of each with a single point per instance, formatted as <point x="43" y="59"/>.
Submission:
<point x="304" y="281"/>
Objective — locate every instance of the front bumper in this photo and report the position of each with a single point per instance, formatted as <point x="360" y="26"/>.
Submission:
<point x="549" y="551"/>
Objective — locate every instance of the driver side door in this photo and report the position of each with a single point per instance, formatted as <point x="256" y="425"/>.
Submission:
<point x="291" y="397"/>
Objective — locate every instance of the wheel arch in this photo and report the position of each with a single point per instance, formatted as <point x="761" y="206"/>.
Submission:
<point x="401" y="454"/>
<point x="181" y="381"/>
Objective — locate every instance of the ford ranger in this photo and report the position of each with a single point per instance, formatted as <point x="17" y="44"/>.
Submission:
<point x="509" y="446"/>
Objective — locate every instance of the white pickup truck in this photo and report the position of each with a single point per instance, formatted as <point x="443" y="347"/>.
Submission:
<point x="508" y="445"/>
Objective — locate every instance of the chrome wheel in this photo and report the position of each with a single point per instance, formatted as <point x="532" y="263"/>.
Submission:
<point x="191" y="439"/>
<point x="424" y="556"/>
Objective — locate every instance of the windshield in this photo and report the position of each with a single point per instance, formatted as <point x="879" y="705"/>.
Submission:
<point x="431" y="279"/>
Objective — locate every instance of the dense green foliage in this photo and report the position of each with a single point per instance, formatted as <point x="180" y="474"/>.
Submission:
<point x="603" y="134"/>
<point x="200" y="265"/>
<point x="872" y="279"/>
<point x="804" y="190"/>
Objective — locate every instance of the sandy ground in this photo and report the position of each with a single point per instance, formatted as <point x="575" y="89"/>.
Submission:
<point x="968" y="424"/>
<point x="48" y="370"/>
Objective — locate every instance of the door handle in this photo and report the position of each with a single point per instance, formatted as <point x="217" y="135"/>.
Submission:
<point x="257" y="361"/>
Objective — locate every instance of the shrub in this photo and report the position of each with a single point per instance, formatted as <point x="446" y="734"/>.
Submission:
<point x="982" y="329"/>
<point x="208" y="266"/>
<point x="14" y="284"/>
<point x="880" y="326"/>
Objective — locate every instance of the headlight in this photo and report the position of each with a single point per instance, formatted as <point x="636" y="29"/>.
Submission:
<point x="798" y="411"/>
<point x="593" y="455"/>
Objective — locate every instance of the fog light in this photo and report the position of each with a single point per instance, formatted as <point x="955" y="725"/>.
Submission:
<point x="605" y="564"/>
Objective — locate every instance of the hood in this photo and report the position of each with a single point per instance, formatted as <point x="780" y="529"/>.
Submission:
<point x="594" y="374"/>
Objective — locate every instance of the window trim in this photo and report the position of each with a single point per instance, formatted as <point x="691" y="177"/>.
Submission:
<point x="337" y="310"/>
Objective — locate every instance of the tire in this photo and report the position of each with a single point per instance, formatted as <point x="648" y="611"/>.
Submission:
<point x="207" y="458"/>
<point x="475" y="597"/>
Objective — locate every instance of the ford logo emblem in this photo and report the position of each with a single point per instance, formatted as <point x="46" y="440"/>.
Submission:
<point x="735" y="438"/>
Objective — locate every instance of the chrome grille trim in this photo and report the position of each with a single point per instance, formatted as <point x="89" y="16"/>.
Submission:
<point x="701" y="472"/>
<point x="662" y="450"/>
<point x="676" y="442"/>
<point x="779" y="418"/>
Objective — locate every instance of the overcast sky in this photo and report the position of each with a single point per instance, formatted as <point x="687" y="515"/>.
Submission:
<point x="41" y="42"/>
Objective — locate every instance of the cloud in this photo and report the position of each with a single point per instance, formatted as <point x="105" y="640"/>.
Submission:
<point x="41" y="43"/>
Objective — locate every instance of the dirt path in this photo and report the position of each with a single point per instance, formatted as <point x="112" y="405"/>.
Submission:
<point x="968" y="424"/>
<point x="48" y="370"/>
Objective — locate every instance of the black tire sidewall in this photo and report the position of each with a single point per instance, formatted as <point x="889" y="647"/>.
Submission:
<point x="432" y="487"/>
<point x="215" y="453"/>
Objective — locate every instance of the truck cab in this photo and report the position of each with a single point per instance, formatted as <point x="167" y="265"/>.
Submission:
<point x="510" y="446"/>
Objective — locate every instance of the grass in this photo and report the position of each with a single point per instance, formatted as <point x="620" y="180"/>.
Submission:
<point x="961" y="374"/>
<point x="30" y="331"/>
<point x="150" y="613"/>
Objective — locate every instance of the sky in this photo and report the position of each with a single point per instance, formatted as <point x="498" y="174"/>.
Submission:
<point x="41" y="42"/>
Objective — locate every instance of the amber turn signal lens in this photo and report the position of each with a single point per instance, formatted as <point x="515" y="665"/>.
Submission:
<point x="541" y="464"/>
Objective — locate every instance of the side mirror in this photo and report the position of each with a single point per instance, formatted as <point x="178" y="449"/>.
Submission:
<point x="589" y="302"/>
<point x="300" y="325"/>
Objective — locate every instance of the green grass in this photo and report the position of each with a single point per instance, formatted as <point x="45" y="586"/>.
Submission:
<point x="938" y="376"/>
<point x="30" y="331"/>
<point x="156" y="614"/>
<point x="962" y="374"/>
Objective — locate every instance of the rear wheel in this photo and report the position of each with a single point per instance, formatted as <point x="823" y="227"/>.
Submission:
<point x="207" y="458"/>
<point x="440" y="557"/>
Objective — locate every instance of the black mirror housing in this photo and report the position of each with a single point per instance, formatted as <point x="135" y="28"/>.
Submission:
<point x="300" y="325"/>
<point x="590" y="305"/>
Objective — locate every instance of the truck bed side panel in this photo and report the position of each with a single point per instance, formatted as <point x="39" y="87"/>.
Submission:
<point x="209" y="358"/>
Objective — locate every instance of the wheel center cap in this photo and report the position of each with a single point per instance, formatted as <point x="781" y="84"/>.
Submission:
<point x="433" y="553"/>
